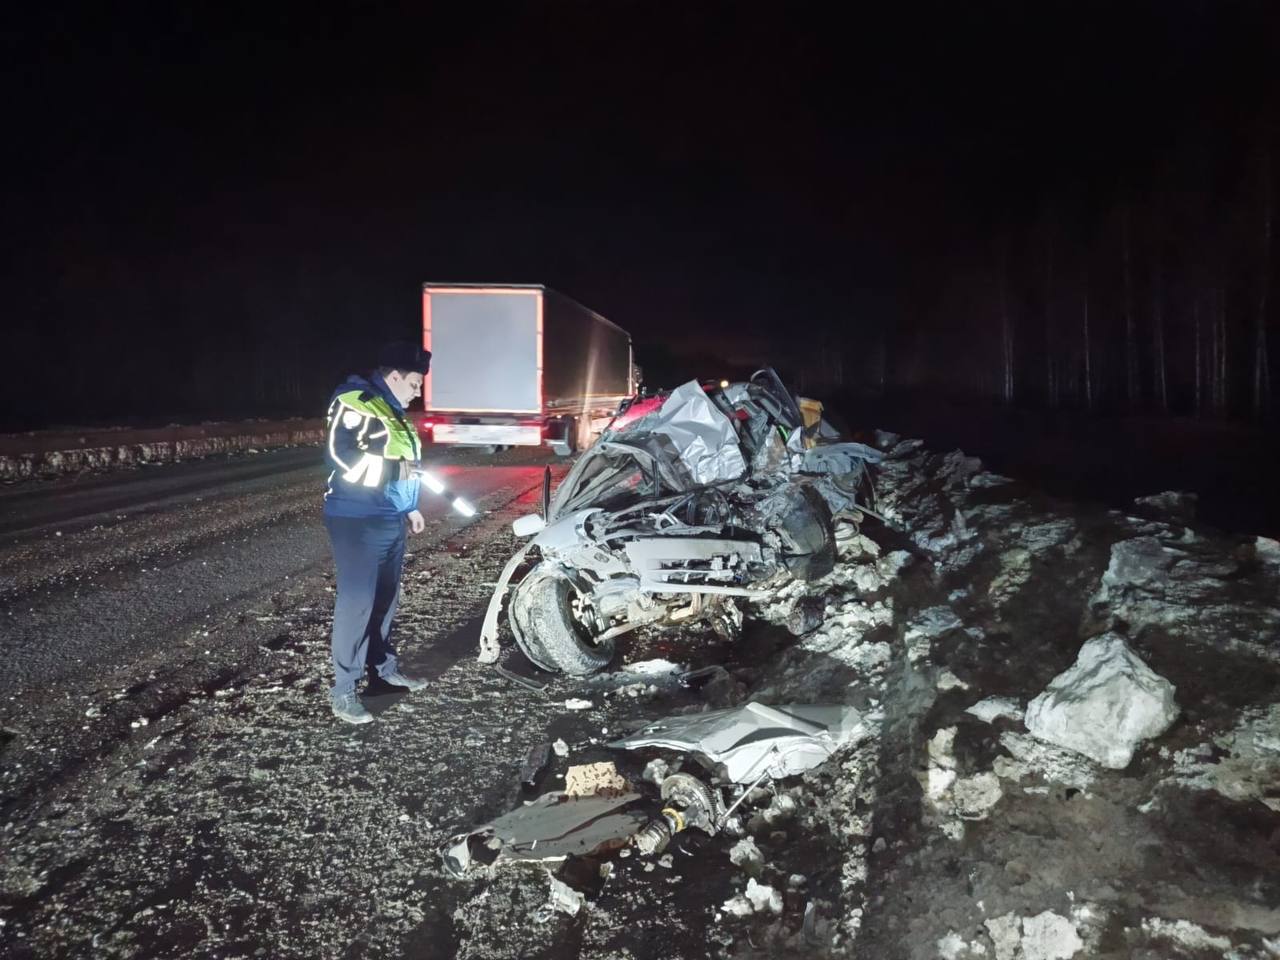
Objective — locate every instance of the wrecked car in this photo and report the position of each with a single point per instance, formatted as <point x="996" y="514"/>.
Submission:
<point x="689" y="501"/>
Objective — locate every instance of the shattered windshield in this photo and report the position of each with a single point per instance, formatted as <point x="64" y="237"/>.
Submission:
<point x="610" y="477"/>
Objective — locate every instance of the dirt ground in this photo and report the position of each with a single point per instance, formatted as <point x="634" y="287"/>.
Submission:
<point x="236" y="818"/>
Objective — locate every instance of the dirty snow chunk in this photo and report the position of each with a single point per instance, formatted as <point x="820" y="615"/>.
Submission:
<point x="976" y="795"/>
<point x="1176" y="505"/>
<point x="1250" y="770"/>
<point x="1184" y="933"/>
<point x="589" y="779"/>
<point x="988" y="479"/>
<point x="746" y="855"/>
<point x="653" y="668"/>
<point x="952" y="946"/>
<point x="1006" y="934"/>
<point x="905" y="448"/>
<point x="561" y="748"/>
<point x="941" y="744"/>
<point x="993" y="708"/>
<point x="782" y="807"/>
<point x="655" y="771"/>
<point x="1049" y="936"/>
<point x="1015" y="571"/>
<point x="949" y="681"/>
<point x="738" y="906"/>
<point x="1104" y="705"/>
<point x="1051" y="762"/>
<point x="1267" y="550"/>
<point x="928" y="625"/>
<point x="574" y="703"/>
<point x="763" y="897"/>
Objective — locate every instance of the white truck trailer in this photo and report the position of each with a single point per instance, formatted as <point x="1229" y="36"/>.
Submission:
<point x="519" y="365"/>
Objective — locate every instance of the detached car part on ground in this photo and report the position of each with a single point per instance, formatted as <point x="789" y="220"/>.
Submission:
<point x="558" y="825"/>
<point x="688" y="500"/>
<point x="739" y="747"/>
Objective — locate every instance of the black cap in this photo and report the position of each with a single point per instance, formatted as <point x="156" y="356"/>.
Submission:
<point x="404" y="355"/>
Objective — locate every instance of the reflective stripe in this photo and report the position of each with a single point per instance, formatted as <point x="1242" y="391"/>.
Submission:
<point x="370" y="467"/>
<point x="333" y="432"/>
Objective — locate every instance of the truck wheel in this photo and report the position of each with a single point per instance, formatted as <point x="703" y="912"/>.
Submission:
<point x="567" y="445"/>
<point x="550" y="635"/>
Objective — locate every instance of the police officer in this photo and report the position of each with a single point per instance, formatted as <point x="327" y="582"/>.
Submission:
<point x="372" y="497"/>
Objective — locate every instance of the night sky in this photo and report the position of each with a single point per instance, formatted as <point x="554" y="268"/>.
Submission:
<point x="215" y="210"/>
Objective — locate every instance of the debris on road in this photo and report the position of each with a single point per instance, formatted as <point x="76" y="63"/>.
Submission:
<point x="562" y="898"/>
<point x="592" y="779"/>
<point x="941" y="827"/>
<point x="742" y="743"/>
<point x="535" y="762"/>
<point x="548" y="830"/>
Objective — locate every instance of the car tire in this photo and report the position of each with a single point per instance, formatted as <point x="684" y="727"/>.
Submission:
<point x="808" y="535"/>
<point x="546" y="630"/>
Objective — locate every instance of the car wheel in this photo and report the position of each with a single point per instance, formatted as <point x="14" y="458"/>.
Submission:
<point x="544" y="625"/>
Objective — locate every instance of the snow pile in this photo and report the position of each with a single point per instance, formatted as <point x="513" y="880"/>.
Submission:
<point x="928" y="625"/>
<point x="1242" y="764"/>
<point x="1192" y="589"/>
<point x="951" y="797"/>
<point x="1046" y="936"/>
<point x="995" y="708"/>
<point x="1029" y="756"/>
<point x="1185" y="934"/>
<point x="758" y="898"/>
<point x="127" y="447"/>
<point x="1176" y="506"/>
<point x="1104" y="705"/>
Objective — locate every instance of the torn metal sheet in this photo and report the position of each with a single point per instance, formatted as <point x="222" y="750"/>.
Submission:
<point x="742" y="743"/>
<point x="548" y="830"/>
<point x="704" y="438"/>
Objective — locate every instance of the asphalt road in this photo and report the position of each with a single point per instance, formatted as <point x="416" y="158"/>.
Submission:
<point x="102" y="574"/>
<point x="165" y="738"/>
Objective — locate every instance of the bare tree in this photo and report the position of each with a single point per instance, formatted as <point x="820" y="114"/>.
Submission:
<point x="1158" y="371"/>
<point x="1261" y="367"/>
<point x="1051" y="380"/>
<point x="1199" y="403"/>
<point x="1132" y="388"/>
<point x="1087" y="347"/>
<point x="1217" y="352"/>
<point x="1159" y="362"/>
<point x="1006" y="328"/>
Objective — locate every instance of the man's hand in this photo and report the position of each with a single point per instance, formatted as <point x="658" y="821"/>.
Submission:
<point x="416" y="523"/>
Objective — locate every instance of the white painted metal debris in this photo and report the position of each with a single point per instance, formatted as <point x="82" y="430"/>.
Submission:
<point x="742" y="743"/>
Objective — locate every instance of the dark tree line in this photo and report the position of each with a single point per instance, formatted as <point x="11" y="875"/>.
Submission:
<point x="1153" y="296"/>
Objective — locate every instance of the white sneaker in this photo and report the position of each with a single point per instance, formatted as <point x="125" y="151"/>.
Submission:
<point x="349" y="708"/>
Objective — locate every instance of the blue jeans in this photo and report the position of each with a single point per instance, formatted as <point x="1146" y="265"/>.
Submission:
<point x="368" y="553"/>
